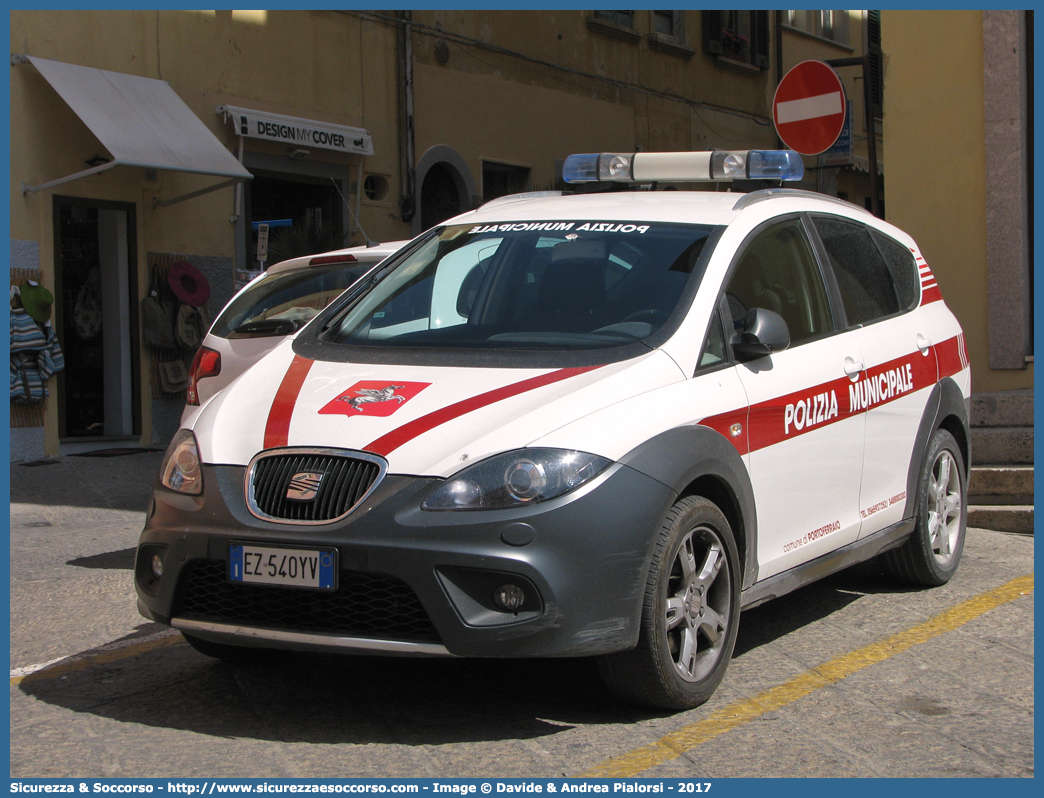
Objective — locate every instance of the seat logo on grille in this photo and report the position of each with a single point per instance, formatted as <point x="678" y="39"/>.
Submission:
<point x="304" y="485"/>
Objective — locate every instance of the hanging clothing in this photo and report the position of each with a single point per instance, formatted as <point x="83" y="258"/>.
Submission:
<point x="35" y="356"/>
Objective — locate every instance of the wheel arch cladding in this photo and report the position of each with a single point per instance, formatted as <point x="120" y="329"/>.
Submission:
<point x="946" y="409"/>
<point x="699" y="461"/>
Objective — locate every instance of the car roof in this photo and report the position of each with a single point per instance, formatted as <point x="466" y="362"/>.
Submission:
<point x="691" y="207"/>
<point x="363" y="256"/>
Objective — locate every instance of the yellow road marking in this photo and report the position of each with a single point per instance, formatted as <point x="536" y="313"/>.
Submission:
<point x="688" y="737"/>
<point x="79" y="662"/>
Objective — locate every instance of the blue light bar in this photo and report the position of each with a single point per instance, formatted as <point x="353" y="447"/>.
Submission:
<point x="594" y="166"/>
<point x="684" y="167"/>
<point x="775" y="165"/>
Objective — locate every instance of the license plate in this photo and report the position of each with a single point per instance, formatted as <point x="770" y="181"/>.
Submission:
<point x="271" y="565"/>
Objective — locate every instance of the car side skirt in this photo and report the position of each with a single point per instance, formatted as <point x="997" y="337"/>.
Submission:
<point x="814" y="570"/>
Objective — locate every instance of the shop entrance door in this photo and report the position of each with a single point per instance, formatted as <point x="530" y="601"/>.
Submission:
<point x="97" y="321"/>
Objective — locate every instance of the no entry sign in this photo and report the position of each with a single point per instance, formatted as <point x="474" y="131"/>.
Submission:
<point x="809" y="108"/>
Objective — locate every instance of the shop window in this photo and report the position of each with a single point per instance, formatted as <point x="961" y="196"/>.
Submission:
<point x="499" y="180"/>
<point x="303" y="214"/>
<point x="741" y="36"/>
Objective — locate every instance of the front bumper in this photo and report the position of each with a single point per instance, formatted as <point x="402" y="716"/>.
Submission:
<point x="412" y="581"/>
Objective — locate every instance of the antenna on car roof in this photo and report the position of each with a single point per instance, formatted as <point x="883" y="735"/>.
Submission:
<point x="369" y="241"/>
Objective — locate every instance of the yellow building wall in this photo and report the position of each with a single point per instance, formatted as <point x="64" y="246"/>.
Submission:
<point x="523" y="111"/>
<point x="478" y="118"/>
<point x="321" y="65"/>
<point x="935" y="129"/>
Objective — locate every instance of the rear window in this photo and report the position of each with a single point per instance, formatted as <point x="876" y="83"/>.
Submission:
<point x="280" y="304"/>
<point x="530" y="286"/>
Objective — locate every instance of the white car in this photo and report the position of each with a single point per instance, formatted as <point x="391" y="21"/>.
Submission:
<point x="588" y="425"/>
<point x="272" y="306"/>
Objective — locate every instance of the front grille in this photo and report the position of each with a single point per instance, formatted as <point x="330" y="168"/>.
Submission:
<point x="338" y="480"/>
<point x="364" y="605"/>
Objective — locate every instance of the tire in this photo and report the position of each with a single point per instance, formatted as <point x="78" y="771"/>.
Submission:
<point x="932" y="553"/>
<point x="690" y="613"/>
<point x="233" y="655"/>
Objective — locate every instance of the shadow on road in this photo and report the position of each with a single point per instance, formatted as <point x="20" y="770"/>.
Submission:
<point x="108" y="483"/>
<point x="781" y="616"/>
<point x="122" y="560"/>
<point x="331" y="699"/>
<point x="317" y="698"/>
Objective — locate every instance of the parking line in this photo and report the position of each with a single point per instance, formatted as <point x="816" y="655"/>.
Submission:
<point x="103" y="654"/>
<point x="678" y="743"/>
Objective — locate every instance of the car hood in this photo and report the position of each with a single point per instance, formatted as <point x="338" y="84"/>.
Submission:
<point x="425" y="420"/>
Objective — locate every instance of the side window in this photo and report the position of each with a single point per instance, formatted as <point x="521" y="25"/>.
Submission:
<point x="714" y="347"/>
<point x="777" y="271"/>
<point x="866" y="285"/>
<point x="904" y="270"/>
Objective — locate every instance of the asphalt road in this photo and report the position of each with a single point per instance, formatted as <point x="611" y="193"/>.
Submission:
<point x="849" y="677"/>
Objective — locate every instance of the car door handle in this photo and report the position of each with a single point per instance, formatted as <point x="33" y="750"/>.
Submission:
<point x="853" y="368"/>
<point x="923" y="344"/>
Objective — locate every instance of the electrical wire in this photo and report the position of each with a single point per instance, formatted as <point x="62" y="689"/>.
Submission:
<point x="461" y="39"/>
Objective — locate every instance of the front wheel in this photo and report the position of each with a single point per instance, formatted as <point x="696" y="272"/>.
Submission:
<point x="931" y="554"/>
<point x="690" y="614"/>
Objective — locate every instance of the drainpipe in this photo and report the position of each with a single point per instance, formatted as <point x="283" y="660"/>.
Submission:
<point x="871" y="125"/>
<point x="779" y="60"/>
<point x="407" y="167"/>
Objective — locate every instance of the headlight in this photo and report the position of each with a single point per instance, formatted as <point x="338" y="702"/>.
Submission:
<point x="181" y="470"/>
<point x="515" y="479"/>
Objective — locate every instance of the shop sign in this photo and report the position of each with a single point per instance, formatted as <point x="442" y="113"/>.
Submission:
<point x="297" y="132"/>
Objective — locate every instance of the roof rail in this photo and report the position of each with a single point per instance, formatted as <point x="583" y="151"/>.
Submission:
<point x="755" y="197"/>
<point x="526" y="195"/>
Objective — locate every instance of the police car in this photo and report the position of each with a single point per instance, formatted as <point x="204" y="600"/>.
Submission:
<point x="590" y="425"/>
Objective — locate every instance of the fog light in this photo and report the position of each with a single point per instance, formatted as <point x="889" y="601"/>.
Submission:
<point x="157" y="566"/>
<point x="509" y="598"/>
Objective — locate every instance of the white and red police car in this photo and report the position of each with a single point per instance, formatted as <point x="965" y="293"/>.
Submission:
<point x="587" y="425"/>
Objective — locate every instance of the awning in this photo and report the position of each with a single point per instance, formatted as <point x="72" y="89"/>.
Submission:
<point x="141" y="122"/>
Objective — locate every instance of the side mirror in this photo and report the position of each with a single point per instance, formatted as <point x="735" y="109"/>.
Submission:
<point x="764" y="332"/>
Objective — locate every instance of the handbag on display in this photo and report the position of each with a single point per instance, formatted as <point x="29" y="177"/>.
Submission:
<point x="173" y="376"/>
<point x="157" y="323"/>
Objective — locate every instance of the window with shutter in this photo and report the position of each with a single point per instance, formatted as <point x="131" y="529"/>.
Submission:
<point x="624" y="19"/>
<point x="873" y="49"/>
<point x="712" y="32"/>
<point x="741" y="36"/>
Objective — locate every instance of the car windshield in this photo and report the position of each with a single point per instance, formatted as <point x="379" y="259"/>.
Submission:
<point x="280" y="304"/>
<point x="529" y="286"/>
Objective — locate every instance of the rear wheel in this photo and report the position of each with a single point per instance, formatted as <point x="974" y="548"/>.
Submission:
<point x="931" y="555"/>
<point x="690" y="615"/>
